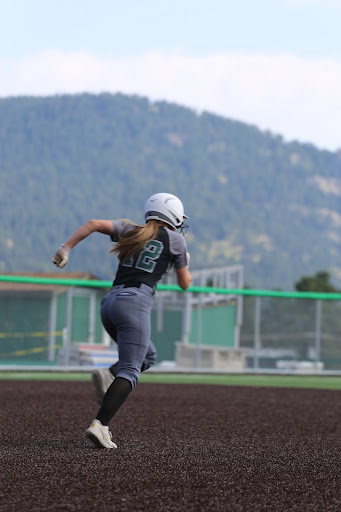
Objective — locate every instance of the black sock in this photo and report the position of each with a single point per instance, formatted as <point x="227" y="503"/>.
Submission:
<point x="113" y="399"/>
<point x="114" y="369"/>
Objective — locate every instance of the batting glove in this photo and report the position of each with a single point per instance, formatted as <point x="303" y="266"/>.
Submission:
<point x="62" y="256"/>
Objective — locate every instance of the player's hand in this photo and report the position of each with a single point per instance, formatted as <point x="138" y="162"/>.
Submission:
<point x="62" y="256"/>
<point x="188" y="257"/>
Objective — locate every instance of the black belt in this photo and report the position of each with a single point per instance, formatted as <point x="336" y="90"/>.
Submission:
<point x="134" y="285"/>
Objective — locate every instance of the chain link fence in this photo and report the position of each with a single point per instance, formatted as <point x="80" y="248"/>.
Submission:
<point x="57" y="319"/>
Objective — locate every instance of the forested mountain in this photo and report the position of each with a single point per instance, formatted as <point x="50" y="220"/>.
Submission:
<point x="252" y="198"/>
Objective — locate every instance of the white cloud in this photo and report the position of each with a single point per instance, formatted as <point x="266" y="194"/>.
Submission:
<point x="298" y="98"/>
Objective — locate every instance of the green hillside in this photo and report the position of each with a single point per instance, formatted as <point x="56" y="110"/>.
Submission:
<point x="252" y="198"/>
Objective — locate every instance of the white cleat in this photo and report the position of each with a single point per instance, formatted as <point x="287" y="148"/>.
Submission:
<point x="100" y="435"/>
<point x="102" y="379"/>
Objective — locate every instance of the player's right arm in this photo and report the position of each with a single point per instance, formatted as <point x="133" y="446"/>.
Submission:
<point x="101" y="226"/>
<point x="184" y="277"/>
<point x="181" y="259"/>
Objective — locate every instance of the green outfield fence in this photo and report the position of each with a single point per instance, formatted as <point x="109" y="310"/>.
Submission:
<point x="279" y="331"/>
<point x="173" y="287"/>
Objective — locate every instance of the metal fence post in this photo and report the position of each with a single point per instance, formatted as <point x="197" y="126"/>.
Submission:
<point x="318" y="332"/>
<point x="198" y="340"/>
<point x="187" y="317"/>
<point x="69" y="295"/>
<point x="65" y="345"/>
<point x="52" y="329"/>
<point x="257" y="332"/>
<point x="92" y="316"/>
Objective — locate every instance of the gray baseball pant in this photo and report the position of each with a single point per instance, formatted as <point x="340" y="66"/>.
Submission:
<point x="125" y="314"/>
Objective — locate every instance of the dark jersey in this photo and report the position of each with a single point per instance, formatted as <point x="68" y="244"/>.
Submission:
<point x="154" y="261"/>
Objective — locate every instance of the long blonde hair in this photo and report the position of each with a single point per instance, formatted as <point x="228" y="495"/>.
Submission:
<point x="132" y="242"/>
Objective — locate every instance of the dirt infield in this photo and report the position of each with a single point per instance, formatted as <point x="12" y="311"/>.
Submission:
<point x="180" y="448"/>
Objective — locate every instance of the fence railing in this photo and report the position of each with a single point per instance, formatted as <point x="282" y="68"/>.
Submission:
<point x="281" y="331"/>
<point x="94" y="283"/>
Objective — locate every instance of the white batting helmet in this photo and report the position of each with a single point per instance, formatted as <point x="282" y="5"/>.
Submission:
<point x="165" y="207"/>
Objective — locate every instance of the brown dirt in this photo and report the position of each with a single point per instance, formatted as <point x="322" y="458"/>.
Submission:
<point x="180" y="448"/>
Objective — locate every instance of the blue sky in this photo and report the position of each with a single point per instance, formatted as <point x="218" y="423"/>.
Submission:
<point x="272" y="63"/>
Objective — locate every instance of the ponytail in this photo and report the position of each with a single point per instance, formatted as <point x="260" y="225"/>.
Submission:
<point x="132" y="242"/>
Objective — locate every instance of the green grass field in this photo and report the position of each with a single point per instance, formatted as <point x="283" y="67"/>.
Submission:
<point x="293" y="381"/>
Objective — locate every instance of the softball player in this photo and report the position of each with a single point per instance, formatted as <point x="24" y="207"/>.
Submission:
<point x="146" y="253"/>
